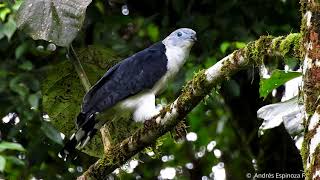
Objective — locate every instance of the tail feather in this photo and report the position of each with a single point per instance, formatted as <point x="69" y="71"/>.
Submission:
<point x="85" y="131"/>
<point x="81" y="118"/>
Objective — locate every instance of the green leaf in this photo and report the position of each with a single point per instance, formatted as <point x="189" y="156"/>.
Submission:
<point x="34" y="100"/>
<point x="3" y="13"/>
<point x="224" y="47"/>
<point x="278" y="78"/>
<point x="15" y="160"/>
<point x="8" y="28"/>
<point x="3" y="73"/>
<point x="26" y="65"/>
<point x="240" y="45"/>
<point x="51" y="133"/>
<point x="17" y="85"/>
<point x="10" y="146"/>
<point x="210" y="61"/>
<point x="153" y="32"/>
<point x="291" y="62"/>
<point x="2" y="163"/>
<point x="21" y="49"/>
<point x="2" y="5"/>
<point x="17" y="4"/>
<point x="52" y="20"/>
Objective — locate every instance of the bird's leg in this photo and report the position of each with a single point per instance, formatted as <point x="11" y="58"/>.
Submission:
<point x="157" y="111"/>
<point x="146" y="108"/>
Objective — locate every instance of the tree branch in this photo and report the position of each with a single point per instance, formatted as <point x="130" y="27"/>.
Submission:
<point x="194" y="91"/>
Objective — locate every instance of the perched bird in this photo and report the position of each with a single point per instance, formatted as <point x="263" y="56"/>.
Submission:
<point x="131" y="86"/>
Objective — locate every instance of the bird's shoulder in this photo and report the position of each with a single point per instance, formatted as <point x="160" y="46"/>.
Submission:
<point x="156" y="52"/>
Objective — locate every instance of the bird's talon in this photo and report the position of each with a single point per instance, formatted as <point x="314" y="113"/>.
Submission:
<point x="148" y="124"/>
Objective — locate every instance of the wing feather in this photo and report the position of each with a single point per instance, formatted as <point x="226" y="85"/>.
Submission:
<point x="131" y="76"/>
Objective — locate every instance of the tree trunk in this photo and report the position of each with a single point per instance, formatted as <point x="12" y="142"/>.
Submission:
<point x="310" y="30"/>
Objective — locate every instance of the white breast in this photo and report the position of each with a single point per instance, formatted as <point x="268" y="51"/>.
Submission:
<point x="176" y="58"/>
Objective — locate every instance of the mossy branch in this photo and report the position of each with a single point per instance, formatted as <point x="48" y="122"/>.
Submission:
<point x="194" y="91"/>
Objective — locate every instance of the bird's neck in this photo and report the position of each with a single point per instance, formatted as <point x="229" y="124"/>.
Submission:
<point x="176" y="57"/>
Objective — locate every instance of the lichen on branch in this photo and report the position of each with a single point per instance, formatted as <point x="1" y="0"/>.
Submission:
<point x="193" y="92"/>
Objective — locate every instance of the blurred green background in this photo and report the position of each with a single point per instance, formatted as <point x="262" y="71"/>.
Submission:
<point x="222" y="142"/>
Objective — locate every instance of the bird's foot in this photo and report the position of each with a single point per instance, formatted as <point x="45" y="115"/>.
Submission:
<point x="149" y="123"/>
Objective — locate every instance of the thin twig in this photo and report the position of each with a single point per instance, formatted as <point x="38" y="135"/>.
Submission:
<point x="78" y="67"/>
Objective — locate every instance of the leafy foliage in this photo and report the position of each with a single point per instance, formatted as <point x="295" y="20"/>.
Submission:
<point x="278" y="78"/>
<point x="11" y="146"/>
<point x="7" y="160"/>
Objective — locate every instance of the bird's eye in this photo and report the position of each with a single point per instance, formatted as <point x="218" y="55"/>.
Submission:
<point x="179" y="34"/>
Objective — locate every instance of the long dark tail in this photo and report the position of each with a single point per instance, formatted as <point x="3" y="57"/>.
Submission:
<point x="86" y="129"/>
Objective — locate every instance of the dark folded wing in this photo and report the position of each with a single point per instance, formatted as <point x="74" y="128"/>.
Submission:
<point x="131" y="76"/>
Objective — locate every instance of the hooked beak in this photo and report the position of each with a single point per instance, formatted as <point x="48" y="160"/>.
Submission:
<point x="194" y="38"/>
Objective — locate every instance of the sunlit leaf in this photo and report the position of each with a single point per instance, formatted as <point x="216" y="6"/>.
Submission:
<point x="2" y="4"/>
<point x="240" y="45"/>
<point x="51" y="132"/>
<point x="278" y="78"/>
<point x="15" y="160"/>
<point x="2" y="163"/>
<point x="224" y="47"/>
<point x="10" y="146"/>
<point x="8" y="28"/>
<point x="52" y="20"/>
<point x="3" y="13"/>
<point x="17" y="4"/>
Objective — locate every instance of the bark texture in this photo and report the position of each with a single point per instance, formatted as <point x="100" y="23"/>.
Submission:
<point x="310" y="29"/>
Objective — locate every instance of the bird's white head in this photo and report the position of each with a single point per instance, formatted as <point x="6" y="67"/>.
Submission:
<point x="181" y="38"/>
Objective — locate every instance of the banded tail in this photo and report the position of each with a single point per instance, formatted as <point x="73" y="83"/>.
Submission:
<point x="86" y="129"/>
